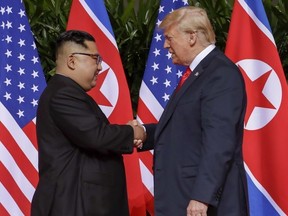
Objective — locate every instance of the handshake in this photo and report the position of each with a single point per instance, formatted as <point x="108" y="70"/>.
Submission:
<point x="139" y="133"/>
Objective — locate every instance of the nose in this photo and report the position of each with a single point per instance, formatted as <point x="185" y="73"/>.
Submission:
<point x="166" y="44"/>
<point x="99" y="67"/>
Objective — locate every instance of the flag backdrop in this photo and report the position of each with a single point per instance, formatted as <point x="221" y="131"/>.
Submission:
<point x="111" y="91"/>
<point x="21" y="84"/>
<point x="160" y="79"/>
<point x="251" y="46"/>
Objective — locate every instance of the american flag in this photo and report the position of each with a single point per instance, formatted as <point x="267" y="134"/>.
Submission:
<point x="252" y="47"/>
<point x="21" y="83"/>
<point x="160" y="79"/>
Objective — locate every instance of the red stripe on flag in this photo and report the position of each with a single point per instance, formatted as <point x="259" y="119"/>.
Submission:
<point x="134" y="184"/>
<point x="23" y="163"/>
<point x="149" y="199"/>
<point x="30" y="131"/>
<point x="146" y="116"/>
<point x="3" y="211"/>
<point x="11" y="186"/>
<point x="147" y="159"/>
<point x="144" y="113"/>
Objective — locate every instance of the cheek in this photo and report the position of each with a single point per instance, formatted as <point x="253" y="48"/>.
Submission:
<point x="87" y="74"/>
<point x="181" y="51"/>
<point x="90" y="70"/>
<point x="91" y="76"/>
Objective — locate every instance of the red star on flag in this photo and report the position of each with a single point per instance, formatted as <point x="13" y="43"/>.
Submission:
<point x="254" y="89"/>
<point x="96" y="93"/>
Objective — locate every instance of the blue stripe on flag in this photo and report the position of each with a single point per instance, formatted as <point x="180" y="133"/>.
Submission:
<point x="259" y="11"/>
<point x="99" y="10"/>
<point x="259" y="204"/>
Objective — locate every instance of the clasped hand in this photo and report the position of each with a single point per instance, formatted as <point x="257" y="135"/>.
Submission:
<point x="139" y="133"/>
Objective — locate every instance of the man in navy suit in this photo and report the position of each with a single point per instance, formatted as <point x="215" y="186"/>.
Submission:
<point x="80" y="153"/>
<point x="198" y="163"/>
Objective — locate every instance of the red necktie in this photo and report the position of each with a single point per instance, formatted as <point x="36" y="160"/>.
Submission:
<point x="183" y="78"/>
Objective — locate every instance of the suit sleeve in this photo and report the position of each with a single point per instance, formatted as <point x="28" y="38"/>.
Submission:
<point x="149" y="143"/>
<point x="82" y="125"/>
<point x="223" y="102"/>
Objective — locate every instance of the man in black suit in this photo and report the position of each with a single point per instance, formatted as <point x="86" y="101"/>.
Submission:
<point x="198" y="163"/>
<point x="80" y="154"/>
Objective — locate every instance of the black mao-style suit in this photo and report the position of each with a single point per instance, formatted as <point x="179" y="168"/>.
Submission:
<point x="198" y="142"/>
<point x="80" y="163"/>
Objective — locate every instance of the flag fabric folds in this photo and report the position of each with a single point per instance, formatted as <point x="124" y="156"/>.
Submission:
<point x="160" y="79"/>
<point x="111" y="91"/>
<point x="21" y="84"/>
<point x="252" y="47"/>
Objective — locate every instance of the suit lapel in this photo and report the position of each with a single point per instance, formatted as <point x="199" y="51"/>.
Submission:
<point x="169" y="109"/>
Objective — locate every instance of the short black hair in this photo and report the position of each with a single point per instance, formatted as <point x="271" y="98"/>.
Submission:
<point x="76" y="36"/>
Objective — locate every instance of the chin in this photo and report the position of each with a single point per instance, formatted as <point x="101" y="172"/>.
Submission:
<point x="93" y="84"/>
<point x="175" y="62"/>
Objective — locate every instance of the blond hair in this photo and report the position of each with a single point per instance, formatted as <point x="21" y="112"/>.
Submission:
<point x="191" y="19"/>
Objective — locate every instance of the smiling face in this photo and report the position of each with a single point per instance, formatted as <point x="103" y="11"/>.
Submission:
<point x="178" y="44"/>
<point x="77" y="57"/>
<point x="86" y="65"/>
<point x="187" y="32"/>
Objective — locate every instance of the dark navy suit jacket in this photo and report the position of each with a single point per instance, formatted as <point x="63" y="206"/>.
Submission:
<point x="198" y="142"/>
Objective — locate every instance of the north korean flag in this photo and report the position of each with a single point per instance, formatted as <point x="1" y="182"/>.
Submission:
<point x="252" y="47"/>
<point x="111" y="91"/>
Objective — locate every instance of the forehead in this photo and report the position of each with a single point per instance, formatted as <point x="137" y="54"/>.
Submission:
<point x="171" y="30"/>
<point x="91" y="46"/>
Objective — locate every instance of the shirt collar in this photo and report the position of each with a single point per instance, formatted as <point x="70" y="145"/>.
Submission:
<point x="201" y="56"/>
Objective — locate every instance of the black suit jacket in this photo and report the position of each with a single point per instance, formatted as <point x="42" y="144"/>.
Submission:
<point x="80" y="163"/>
<point x="198" y="142"/>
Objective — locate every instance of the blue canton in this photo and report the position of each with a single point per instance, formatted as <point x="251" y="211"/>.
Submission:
<point x="21" y="76"/>
<point x="161" y="75"/>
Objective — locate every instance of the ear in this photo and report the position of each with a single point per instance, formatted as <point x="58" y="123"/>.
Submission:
<point x="192" y="38"/>
<point x="71" y="62"/>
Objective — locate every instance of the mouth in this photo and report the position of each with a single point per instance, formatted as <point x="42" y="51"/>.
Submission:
<point x="96" y="76"/>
